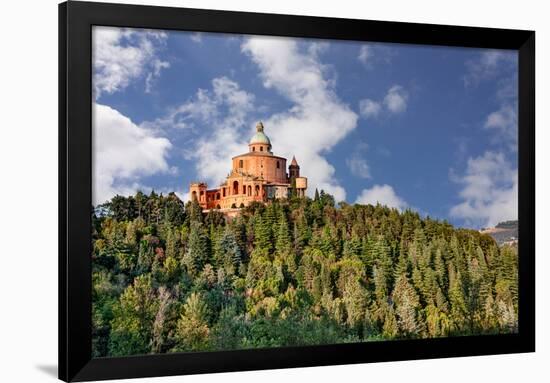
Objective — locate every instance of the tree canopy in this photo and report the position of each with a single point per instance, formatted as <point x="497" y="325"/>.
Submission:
<point x="168" y="278"/>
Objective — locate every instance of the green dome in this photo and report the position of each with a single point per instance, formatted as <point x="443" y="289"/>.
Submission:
<point x="260" y="137"/>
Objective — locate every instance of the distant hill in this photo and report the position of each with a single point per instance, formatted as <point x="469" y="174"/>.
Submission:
<point x="504" y="232"/>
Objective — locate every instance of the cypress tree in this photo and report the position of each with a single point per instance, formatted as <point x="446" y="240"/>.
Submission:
<point x="198" y="249"/>
<point x="283" y="241"/>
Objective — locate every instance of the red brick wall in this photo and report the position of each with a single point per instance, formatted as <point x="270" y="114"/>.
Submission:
<point x="265" y="166"/>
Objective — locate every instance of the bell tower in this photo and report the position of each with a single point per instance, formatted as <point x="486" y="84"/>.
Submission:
<point x="300" y="183"/>
<point x="293" y="170"/>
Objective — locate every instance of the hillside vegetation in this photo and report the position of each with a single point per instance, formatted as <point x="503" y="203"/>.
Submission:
<point x="167" y="278"/>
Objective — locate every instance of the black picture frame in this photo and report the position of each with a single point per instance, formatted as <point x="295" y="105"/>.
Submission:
<point x="75" y="189"/>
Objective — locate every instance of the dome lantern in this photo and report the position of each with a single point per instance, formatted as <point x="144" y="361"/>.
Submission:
<point x="259" y="127"/>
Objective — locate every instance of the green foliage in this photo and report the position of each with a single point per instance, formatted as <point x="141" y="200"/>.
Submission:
<point x="133" y="314"/>
<point x="192" y="329"/>
<point x="198" y="249"/>
<point x="167" y="278"/>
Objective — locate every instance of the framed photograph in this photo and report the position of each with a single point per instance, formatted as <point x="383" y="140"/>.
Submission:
<point x="245" y="191"/>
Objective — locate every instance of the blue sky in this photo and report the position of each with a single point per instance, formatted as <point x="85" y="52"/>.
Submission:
<point x="433" y="129"/>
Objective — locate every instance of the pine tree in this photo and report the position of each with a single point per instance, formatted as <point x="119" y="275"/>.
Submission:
<point x="172" y="244"/>
<point x="289" y="272"/>
<point x="403" y="263"/>
<point x="457" y="300"/>
<point x="263" y="240"/>
<point x="352" y="247"/>
<point x="133" y="319"/>
<point x="380" y="285"/>
<point x="198" y="249"/>
<point x="382" y="258"/>
<point x="228" y="253"/>
<point x="390" y="328"/>
<point x="283" y="241"/>
<point x="407" y="305"/>
<point x="195" y="211"/>
<point x="192" y="331"/>
<point x="355" y="301"/>
<point x="440" y="269"/>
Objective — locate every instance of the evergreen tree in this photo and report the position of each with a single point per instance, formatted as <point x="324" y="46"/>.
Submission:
<point x="283" y="241"/>
<point x="198" y="249"/>
<point x="192" y="331"/>
<point x="407" y="305"/>
<point x="390" y="328"/>
<point x="263" y="240"/>
<point x="228" y="254"/>
<point x="131" y="327"/>
<point x="457" y="300"/>
<point x="290" y="272"/>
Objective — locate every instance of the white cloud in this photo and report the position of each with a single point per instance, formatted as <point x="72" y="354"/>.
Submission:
<point x="382" y="194"/>
<point x="220" y="118"/>
<point x="196" y="37"/>
<point x="223" y="117"/>
<point x="504" y="122"/>
<point x="158" y="65"/>
<point x="394" y="102"/>
<point x="365" y="54"/>
<point x="369" y="108"/>
<point x="487" y="65"/>
<point x="121" y="55"/>
<point x="123" y="152"/>
<point x="490" y="191"/>
<point x="396" y="99"/>
<point x="184" y="196"/>
<point x="317" y="119"/>
<point x="358" y="166"/>
<point x="315" y="49"/>
<point x="357" y="163"/>
<point x="375" y="53"/>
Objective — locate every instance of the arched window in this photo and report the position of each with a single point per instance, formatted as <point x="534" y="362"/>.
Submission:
<point x="240" y="164"/>
<point x="217" y="195"/>
<point x="261" y="148"/>
<point x="194" y="195"/>
<point x="218" y="207"/>
<point x="278" y="165"/>
<point x="257" y="190"/>
<point x="235" y="187"/>
<point x="253" y="148"/>
<point x="249" y="190"/>
<point x="223" y="191"/>
<point x="244" y="189"/>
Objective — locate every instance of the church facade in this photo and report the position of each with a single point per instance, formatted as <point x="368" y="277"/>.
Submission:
<point x="258" y="175"/>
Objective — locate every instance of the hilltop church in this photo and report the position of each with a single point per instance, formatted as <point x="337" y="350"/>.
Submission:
<point x="258" y="175"/>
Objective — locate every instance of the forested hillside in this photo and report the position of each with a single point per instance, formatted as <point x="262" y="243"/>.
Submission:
<point x="299" y="272"/>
